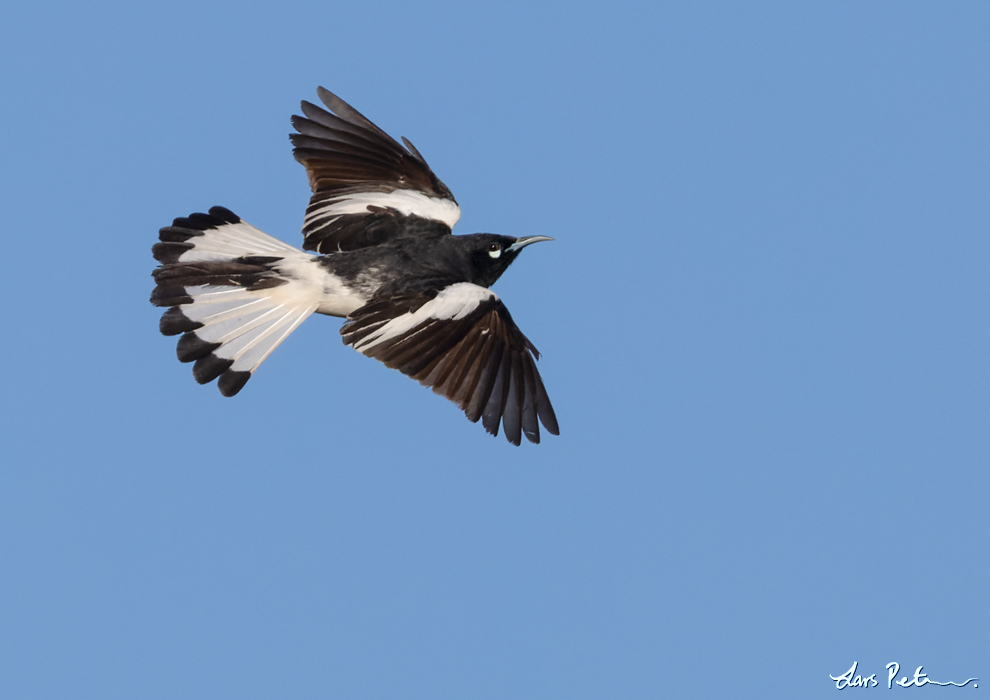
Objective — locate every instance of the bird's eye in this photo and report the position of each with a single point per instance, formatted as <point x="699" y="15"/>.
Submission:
<point x="494" y="250"/>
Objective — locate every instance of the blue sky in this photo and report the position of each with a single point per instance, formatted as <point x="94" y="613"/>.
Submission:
<point x="764" y="325"/>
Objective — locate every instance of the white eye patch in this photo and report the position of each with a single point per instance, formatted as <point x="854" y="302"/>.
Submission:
<point x="496" y="251"/>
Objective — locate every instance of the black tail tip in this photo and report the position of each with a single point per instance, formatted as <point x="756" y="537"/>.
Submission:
<point x="209" y="368"/>
<point x="174" y="322"/>
<point x="232" y="382"/>
<point x="192" y="347"/>
<point x="225" y="214"/>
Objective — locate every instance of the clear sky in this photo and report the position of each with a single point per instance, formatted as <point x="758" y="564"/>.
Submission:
<point x="764" y="323"/>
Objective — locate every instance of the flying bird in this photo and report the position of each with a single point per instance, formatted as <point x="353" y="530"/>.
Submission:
<point x="379" y="225"/>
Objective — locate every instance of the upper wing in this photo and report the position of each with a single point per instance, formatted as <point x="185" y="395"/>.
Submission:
<point x="464" y="344"/>
<point x="366" y="187"/>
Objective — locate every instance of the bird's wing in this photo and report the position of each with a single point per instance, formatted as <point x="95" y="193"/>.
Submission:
<point x="463" y="343"/>
<point x="366" y="187"/>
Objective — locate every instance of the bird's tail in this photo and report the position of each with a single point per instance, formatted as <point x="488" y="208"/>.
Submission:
<point x="229" y="294"/>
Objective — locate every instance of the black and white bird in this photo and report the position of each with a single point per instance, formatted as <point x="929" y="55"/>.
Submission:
<point x="415" y="297"/>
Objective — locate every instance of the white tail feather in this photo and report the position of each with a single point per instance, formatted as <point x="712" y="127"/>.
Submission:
<point x="234" y="240"/>
<point x="236" y="294"/>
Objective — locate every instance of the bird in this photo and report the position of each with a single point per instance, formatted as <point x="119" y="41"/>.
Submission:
<point x="378" y="251"/>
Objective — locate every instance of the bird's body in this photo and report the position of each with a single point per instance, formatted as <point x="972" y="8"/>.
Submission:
<point x="415" y="297"/>
<point x="410" y="265"/>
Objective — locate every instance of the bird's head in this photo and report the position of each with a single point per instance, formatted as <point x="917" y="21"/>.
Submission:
<point x="491" y="254"/>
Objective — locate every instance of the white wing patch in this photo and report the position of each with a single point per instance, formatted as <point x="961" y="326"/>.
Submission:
<point x="452" y="304"/>
<point x="405" y="201"/>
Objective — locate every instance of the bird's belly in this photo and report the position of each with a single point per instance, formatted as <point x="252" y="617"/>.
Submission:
<point x="338" y="298"/>
<point x="341" y="304"/>
<point x="308" y="280"/>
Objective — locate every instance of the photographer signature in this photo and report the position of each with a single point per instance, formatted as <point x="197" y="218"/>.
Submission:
<point x="851" y="679"/>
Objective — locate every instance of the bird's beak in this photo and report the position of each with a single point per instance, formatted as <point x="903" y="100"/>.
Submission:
<point x="523" y="242"/>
